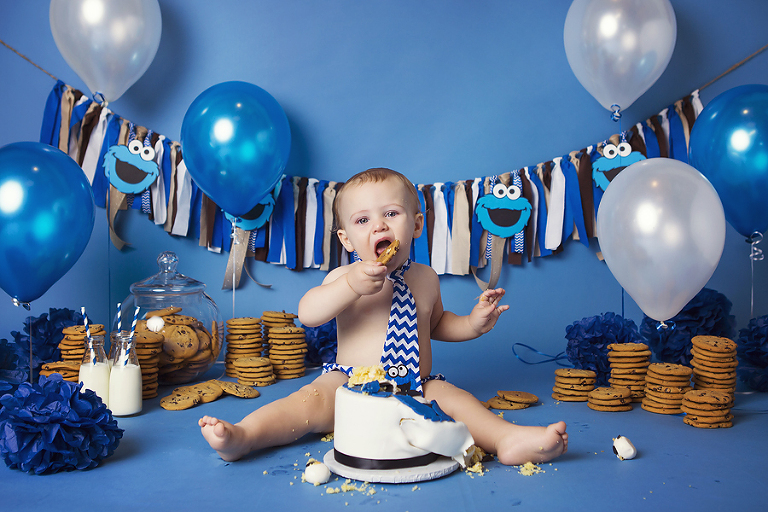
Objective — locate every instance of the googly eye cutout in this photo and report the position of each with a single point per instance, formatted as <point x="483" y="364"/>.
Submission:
<point x="135" y="146"/>
<point x="147" y="153"/>
<point x="624" y="149"/>
<point x="514" y="192"/>
<point x="500" y="190"/>
<point x="392" y="372"/>
<point x="402" y="370"/>
<point x="610" y="151"/>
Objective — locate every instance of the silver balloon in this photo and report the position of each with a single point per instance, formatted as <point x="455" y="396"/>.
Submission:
<point x="619" y="48"/>
<point x="661" y="229"/>
<point x="108" y="43"/>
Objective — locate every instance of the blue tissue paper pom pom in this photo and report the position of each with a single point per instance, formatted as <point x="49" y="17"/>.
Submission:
<point x="588" y="341"/>
<point x="707" y="314"/>
<point x="321" y="343"/>
<point x="752" y="350"/>
<point x="45" y="331"/>
<point x="51" y="426"/>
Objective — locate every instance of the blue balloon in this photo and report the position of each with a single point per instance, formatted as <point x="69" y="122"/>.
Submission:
<point x="235" y="140"/>
<point x="729" y="146"/>
<point x="46" y="217"/>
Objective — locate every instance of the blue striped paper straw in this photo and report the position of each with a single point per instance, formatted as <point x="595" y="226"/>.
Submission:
<point x="85" y="321"/>
<point x="135" y="319"/>
<point x="119" y="316"/>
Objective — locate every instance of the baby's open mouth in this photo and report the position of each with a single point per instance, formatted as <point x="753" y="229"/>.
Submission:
<point x="381" y="247"/>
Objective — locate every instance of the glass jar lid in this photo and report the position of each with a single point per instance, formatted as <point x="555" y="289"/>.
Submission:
<point x="168" y="281"/>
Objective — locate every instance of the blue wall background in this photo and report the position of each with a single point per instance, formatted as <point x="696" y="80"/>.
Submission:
<point x="440" y="90"/>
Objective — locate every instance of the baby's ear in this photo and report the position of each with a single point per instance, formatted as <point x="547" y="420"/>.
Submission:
<point x="419" y="225"/>
<point x="344" y="240"/>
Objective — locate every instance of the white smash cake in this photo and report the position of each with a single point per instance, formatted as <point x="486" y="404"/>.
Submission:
<point x="378" y="429"/>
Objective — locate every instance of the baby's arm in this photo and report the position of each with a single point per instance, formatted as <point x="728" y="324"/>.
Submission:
<point x="451" y="327"/>
<point x="340" y="288"/>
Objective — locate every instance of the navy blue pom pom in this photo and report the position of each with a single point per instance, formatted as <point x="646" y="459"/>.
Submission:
<point x="51" y="426"/>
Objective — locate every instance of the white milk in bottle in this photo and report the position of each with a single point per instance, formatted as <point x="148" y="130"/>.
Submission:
<point x="125" y="381"/>
<point x="94" y="370"/>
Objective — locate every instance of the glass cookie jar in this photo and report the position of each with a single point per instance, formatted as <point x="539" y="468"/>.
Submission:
<point x="191" y="323"/>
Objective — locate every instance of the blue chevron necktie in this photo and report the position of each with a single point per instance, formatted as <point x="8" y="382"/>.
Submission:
<point x="401" y="348"/>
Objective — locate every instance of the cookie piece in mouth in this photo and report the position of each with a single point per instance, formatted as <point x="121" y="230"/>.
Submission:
<point x="389" y="253"/>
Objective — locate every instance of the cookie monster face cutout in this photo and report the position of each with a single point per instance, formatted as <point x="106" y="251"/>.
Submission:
<point x="505" y="212"/>
<point x="403" y="378"/>
<point x="259" y="214"/>
<point x="613" y="161"/>
<point x="131" y="169"/>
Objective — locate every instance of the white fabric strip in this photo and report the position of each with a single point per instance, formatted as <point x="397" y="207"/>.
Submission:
<point x="553" y="237"/>
<point x="157" y="188"/>
<point x="91" y="158"/>
<point x="311" y="224"/>
<point x="440" y="239"/>
<point x="184" y="201"/>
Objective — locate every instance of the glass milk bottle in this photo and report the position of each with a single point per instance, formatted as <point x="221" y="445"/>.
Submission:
<point x="125" y="377"/>
<point x="94" y="369"/>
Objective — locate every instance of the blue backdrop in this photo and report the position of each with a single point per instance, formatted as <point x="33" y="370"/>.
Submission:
<point x="439" y="90"/>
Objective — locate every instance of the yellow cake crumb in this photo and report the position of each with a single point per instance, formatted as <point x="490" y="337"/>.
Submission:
<point x="332" y="490"/>
<point x="327" y="438"/>
<point x="529" y="468"/>
<point x="363" y="374"/>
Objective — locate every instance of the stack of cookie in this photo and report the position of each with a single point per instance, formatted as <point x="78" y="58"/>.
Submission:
<point x="610" y="399"/>
<point x="665" y="386"/>
<point x="287" y="346"/>
<point x="72" y="346"/>
<point x="512" y="400"/>
<point x="149" y="346"/>
<point x="69" y="370"/>
<point x="270" y="319"/>
<point x="573" y="384"/>
<point x="254" y="371"/>
<point x="714" y="363"/>
<point x="243" y="340"/>
<point x="707" y="408"/>
<point x="629" y="364"/>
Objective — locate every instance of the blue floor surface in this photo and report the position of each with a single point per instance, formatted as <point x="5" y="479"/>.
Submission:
<point x="163" y="463"/>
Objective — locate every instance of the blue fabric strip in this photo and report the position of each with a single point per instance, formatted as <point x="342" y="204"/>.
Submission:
<point x="49" y="130"/>
<point x="320" y="223"/>
<point x="677" y="147"/>
<point x="448" y="192"/>
<point x="651" y="143"/>
<point x="573" y="198"/>
<point x="420" y="247"/>
<point x="78" y="112"/>
<point x="100" y="184"/>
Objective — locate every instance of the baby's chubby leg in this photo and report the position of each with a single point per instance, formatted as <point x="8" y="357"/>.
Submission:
<point x="512" y="444"/>
<point x="310" y="409"/>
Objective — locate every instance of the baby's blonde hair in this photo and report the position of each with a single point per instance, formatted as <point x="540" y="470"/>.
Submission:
<point x="375" y="175"/>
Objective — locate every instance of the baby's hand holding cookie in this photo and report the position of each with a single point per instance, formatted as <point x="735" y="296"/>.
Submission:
<point x="366" y="277"/>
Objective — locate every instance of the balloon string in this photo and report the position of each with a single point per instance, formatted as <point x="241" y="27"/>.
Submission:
<point x="235" y="243"/>
<point x="616" y="114"/>
<point x="14" y="50"/>
<point x="755" y="254"/>
<point x="557" y="358"/>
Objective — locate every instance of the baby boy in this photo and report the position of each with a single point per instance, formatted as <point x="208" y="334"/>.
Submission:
<point x="373" y="209"/>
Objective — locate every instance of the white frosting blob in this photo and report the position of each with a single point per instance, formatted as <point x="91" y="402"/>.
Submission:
<point x="317" y="473"/>
<point x="623" y="448"/>
<point x="155" y="323"/>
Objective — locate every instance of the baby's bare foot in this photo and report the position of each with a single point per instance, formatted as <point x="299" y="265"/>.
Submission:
<point x="533" y="444"/>
<point x="228" y="440"/>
